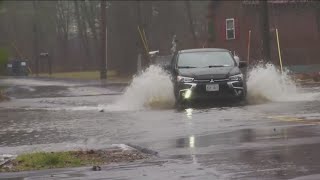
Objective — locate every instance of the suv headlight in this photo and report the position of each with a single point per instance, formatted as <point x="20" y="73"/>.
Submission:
<point x="184" y="79"/>
<point x="238" y="77"/>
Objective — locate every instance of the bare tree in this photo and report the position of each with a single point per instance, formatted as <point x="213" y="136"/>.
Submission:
<point x="191" y="26"/>
<point x="63" y="26"/>
<point x="90" y="11"/>
<point x="103" y="70"/>
<point x="82" y="33"/>
<point x="265" y="29"/>
<point x="317" y="9"/>
<point x="35" y="37"/>
<point x="70" y="30"/>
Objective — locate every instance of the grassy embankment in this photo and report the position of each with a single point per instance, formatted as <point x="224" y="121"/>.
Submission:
<point x="67" y="159"/>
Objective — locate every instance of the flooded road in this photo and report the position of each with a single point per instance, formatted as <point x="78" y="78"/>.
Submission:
<point x="276" y="139"/>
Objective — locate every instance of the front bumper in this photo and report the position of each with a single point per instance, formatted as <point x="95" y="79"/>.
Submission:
<point x="197" y="90"/>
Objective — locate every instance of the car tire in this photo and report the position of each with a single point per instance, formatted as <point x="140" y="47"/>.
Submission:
<point x="181" y="103"/>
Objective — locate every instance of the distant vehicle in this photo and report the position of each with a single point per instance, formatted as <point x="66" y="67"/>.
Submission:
<point x="17" y="68"/>
<point x="207" y="74"/>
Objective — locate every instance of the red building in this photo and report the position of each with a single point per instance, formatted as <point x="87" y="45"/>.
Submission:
<point x="297" y="21"/>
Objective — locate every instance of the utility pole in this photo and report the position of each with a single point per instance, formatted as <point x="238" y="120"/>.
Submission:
<point x="265" y="30"/>
<point x="103" y="28"/>
<point x="35" y="38"/>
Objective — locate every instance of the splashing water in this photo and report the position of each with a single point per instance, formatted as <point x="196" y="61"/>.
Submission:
<point x="266" y="83"/>
<point x="152" y="89"/>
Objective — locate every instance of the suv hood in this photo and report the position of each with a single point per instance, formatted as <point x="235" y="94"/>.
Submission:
<point x="209" y="73"/>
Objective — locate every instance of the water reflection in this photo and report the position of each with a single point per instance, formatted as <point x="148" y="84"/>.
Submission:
<point x="189" y="113"/>
<point x="186" y="142"/>
<point x="257" y="151"/>
<point x="247" y="136"/>
<point x="191" y="141"/>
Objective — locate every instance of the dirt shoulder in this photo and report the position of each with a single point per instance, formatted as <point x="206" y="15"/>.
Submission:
<point x="68" y="159"/>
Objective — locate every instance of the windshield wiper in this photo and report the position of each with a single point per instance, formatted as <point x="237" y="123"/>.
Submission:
<point x="212" y="66"/>
<point x="186" y="67"/>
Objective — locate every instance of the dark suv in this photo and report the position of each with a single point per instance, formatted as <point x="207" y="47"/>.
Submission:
<point x="207" y="74"/>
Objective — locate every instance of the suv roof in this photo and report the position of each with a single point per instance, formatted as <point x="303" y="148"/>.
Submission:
<point x="204" y="50"/>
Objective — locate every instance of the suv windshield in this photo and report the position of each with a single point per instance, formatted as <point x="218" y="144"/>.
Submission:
<point x="205" y="59"/>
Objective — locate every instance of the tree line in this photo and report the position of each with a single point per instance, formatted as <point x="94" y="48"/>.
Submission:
<point x="70" y="31"/>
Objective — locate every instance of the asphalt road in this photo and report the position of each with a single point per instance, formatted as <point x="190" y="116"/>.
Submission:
<point x="269" y="140"/>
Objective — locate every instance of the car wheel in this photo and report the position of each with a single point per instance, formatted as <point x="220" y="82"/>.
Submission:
<point x="180" y="103"/>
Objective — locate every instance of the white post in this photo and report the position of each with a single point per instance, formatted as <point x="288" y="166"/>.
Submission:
<point x="106" y="50"/>
<point x="139" y="66"/>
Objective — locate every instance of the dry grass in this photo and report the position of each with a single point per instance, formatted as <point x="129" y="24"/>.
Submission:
<point x="50" y="160"/>
<point x="44" y="160"/>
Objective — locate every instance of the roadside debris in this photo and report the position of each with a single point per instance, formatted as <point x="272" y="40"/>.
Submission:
<point x="96" y="168"/>
<point x="6" y="161"/>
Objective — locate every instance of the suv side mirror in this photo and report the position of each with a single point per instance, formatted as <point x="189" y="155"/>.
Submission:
<point x="242" y="64"/>
<point x="237" y="59"/>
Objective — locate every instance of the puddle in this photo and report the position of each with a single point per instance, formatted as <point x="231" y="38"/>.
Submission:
<point x="247" y="136"/>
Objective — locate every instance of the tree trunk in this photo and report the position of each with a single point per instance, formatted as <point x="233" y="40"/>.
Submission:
<point x="35" y="39"/>
<point x="190" y="19"/>
<point x="317" y="9"/>
<point x="91" y="22"/>
<point x="63" y="15"/>
<point x="103" y="70"/>
<point x="82" y="36"/>
<point x="265" y="29"/>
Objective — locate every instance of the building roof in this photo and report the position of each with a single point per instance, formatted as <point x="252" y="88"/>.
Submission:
<point x="255" y="2"/>
<point x="203" y="50"/>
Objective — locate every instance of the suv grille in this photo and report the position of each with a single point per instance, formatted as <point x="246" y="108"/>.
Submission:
<point x="209" y="80"/>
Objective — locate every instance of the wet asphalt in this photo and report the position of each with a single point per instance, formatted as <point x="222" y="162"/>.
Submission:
<point x="270" y="140"/>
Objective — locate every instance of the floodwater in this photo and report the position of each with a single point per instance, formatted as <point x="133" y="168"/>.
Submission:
<point x="274" y="135"/>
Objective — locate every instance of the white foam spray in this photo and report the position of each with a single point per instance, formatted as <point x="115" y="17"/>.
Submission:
<point x="266" y="83"/>
<point x="153" y="88"/>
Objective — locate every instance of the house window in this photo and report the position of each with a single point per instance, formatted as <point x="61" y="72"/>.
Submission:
<point x="230" y="29"/>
